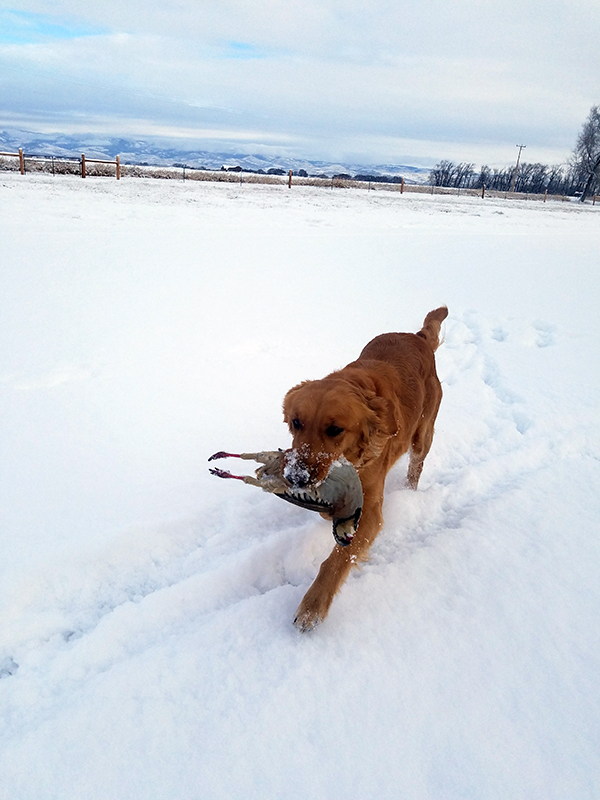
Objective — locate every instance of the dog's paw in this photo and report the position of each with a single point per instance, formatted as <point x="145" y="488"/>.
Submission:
<point x="307" y="619"/>
<point x="314" y="606"/>
<point x="311" y="611"/>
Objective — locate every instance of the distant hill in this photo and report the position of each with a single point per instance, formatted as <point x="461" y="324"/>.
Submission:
<point x="156" y="153"/>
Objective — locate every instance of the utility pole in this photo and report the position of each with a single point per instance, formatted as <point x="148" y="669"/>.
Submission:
<point x="514" y="180"/>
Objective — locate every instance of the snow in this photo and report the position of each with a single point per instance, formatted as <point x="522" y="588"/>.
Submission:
<point x="146" y="646"/>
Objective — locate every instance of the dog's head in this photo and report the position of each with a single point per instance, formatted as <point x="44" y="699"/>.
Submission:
<point x="341" y="415"/>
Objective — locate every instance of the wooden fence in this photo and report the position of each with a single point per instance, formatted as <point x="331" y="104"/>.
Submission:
<point x="239" y="176"/>
<point x="63" y="159"/>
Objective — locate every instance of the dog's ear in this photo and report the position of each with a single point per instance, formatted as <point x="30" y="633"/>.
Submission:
<point x="380" y="424"/>
<point x="384" y="422"/>
<point x="289" y="399"/>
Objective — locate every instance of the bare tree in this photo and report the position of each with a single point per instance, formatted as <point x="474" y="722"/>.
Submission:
<point x="447" y="173"/>
<point x="533" y="178"/>
<point x="558" y="181"/>
<point x="463" y="176"/>
<point x="441" y="174"/>
<point x="586" y="156"/>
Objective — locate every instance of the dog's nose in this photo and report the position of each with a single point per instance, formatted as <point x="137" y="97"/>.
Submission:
<point x="299" y="479"/>
<point x="294" y="471"/>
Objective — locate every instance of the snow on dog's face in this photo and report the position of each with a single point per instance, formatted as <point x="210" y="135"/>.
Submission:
<point x="340" y="415"/>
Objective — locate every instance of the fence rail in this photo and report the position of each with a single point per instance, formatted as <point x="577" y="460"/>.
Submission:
<point x="239" y="176"/>
<point x="83" y="161"/>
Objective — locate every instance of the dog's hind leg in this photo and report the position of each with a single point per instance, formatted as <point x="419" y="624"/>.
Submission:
<point x="421" y="442"/>
<point x="415" y="467"/>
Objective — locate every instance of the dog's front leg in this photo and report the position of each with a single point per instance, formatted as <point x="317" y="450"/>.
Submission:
<point x="335" y="569"/>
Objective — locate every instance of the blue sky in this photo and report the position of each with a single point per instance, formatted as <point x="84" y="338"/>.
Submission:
<point x="25" y="27"/>
<point x="396" y="82"/>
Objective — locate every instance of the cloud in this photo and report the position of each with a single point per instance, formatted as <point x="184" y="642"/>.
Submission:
<point x="324" y="74"/>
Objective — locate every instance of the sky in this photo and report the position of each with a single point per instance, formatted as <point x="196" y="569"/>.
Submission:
<point x="147" y="650"/>
<point x="390" y="81"/>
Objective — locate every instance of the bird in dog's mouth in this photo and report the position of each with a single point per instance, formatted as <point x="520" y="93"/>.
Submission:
<point x="339" y="496"/>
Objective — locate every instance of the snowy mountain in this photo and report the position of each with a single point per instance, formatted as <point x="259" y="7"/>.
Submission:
<point x="155" y="153"/>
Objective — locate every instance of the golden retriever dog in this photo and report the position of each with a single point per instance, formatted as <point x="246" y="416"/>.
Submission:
<point x="372" y="411"/>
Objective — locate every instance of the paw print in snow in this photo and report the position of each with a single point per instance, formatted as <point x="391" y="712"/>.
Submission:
<point x="499" y="334"/>
<point x="545" y="334"/>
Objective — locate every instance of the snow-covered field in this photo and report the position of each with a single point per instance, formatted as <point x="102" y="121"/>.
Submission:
<point x="146" y="645"/>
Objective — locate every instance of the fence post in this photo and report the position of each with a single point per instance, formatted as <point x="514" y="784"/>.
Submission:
<point x="118" y="162"/>
<point x="83" y="165"/>
<point x="402" y="186"/>
<point x="290" y="180"/>
<point x="483" y="192"/>
<point x="21" y="161"/>
<point x="545" y="195"/>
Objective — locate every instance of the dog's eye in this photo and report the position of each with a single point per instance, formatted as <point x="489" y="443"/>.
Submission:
<point x="296" y="424"/>
<point x="334" y="430"/>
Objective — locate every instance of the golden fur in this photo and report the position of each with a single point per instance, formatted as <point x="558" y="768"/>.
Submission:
<point x="372" y="411"/>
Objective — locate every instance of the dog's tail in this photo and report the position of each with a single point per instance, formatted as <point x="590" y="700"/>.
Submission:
<point x="431" y="327"/>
